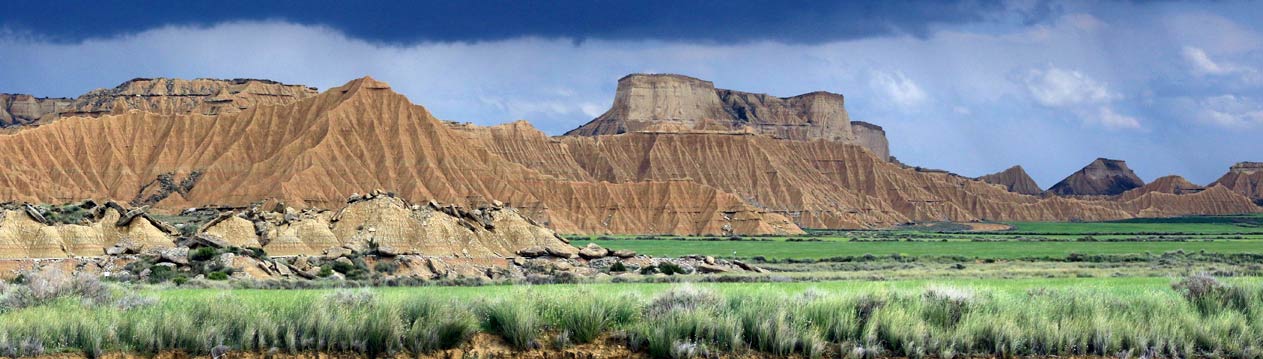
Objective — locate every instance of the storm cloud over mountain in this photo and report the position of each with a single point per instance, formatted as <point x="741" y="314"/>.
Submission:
<point x="973" y="87"/>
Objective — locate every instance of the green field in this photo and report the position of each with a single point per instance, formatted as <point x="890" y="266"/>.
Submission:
<point x="998" y="250"/>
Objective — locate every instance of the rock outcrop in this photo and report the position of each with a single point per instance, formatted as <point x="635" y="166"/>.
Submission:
<point x="160" y="95"/>
<point x="1015" y="180"/>
<point x="1166" y="184"/>
<point x="18" y="109"/>
<point x="667" y="103"/>
<point x="316" y="152"/>
<point x="1102" y="177"/>
<point x="1245" y="178"/>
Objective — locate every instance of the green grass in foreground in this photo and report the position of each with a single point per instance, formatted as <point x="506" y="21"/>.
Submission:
<point x="998" y="250"/>
<point x="916" y="319"/>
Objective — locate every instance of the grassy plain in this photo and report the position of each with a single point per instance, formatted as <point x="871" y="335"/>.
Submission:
<point x="1099" y="316"/>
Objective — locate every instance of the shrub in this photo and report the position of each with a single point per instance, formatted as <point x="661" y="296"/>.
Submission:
<point x="618" y="267"/>
<point x="670" y="268"/>
<point x="217" y="275"/>
<point x="386" y="267"/>
<point x="202" y="254"/>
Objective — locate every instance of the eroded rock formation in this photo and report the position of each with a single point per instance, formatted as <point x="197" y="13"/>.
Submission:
<point x="18" y="109"/>
<point x="1245" y="178"/>
<point x="1015" y="180"/>
<point x="314" y="153"/>
<point x="1102" y="177"/>
<point x="681" y="104"/>
<point x="159" y="95"/>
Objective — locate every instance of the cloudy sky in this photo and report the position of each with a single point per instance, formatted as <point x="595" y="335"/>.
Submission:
<point x="972" y="87"/>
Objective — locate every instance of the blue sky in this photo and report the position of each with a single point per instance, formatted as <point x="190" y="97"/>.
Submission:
<point x="972" y="87"/>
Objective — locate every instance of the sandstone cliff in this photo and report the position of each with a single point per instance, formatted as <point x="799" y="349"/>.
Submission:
<point x="1245" y="178"/>
<point x="383" y="223"/>
<point x="17" y="109"/>
<point x="1166" y="184"/>
<point x="1102" y="177"/>
<point x="682" y="104"/>
<point x="316" y="152"/>
<point x="1015" y="180"/>
<point x="818" y="184"/>
<point x="160" y="95"/>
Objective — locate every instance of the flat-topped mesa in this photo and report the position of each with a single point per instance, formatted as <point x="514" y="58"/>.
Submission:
<point x="1102" y="177"/>
<point x="1015" y="180"/>
<point x="20" y="109"/>
<point x="1246" y="167"/>
<point x="179" y="96"/>
<point x="1245" y="178"/>
<point x="680" y="104"/>
<point x="160" y="95"/>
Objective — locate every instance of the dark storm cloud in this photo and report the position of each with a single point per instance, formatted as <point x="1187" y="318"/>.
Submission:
<point x="404" y="22"/>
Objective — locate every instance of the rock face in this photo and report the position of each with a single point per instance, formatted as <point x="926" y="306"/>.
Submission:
<point x="666" y="103"/>
<point x="1102" y="177"/>
<point x="317" y="152"/>
<point x="1166" y="184"/>
<point x="160" y="95"/>
<point x="18" y="109"/>
<point x="1015" y="180"/>
<point x="1245" y="178"/>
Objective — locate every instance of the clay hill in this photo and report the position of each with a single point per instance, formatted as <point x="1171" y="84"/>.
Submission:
<point x="681" y="104"/>
<point x="1015" y="180"/>
<point x="160" y="95"/>
<point x="1102" y="177"/>
<point x="1245" y="178"/>
<point x="314" y="152"/>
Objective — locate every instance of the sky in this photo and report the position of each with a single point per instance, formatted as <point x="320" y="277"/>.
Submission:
<point x="971" y="86"/>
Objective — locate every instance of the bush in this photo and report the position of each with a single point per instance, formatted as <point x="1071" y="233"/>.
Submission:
<point x="618" y="267"/>
<point x="670" y="268"/>
<point x="217" y="275"/>
<point x="202" y="254"/>
<point x="386" y="267"/>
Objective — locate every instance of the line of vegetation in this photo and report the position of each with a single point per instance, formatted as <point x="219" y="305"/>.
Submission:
<point x="1198" y="317"/>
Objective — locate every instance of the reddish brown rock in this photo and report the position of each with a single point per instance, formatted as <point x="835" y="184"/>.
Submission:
<point x="1015" y="180"/>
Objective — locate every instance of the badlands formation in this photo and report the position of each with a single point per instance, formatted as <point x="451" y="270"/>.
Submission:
<point x="1015" y="180"/>
<point x="164" y="96"/>
<point x="281" y="167"/>
<point x="1102" y="177"/>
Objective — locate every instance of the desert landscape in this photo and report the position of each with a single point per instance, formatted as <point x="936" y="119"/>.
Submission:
<point x="237" y="215"/>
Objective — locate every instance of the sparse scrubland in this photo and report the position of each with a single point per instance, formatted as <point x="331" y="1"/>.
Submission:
<point x="991" y="295"/>
<point x="1197" y="316"/>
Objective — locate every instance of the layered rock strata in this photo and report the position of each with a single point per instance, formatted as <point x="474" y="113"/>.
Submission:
<point x="1015" y="180"/>
<point x="680" y="104"/>
<point x="1102" y="177"/>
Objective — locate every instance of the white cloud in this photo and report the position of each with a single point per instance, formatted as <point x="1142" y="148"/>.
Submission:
<point x="1056" y="87"/>
<point x="1203" y="64"/>
<point x="899" y="88"/>
<point x="1110" y="119"/>
<point x="1230" y="111"/>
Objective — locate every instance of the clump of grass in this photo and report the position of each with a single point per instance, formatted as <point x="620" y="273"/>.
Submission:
<point x="1210" y="296"/>
<point x="436" y="325"/>
<point x="515" y="320"/>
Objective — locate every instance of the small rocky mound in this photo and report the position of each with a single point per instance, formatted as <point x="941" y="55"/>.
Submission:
<point x="1015" y="180"/>
<point x="1167" y="184"/>
<point x="1245" y="178"/>
<point x="1102" y="177"/>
